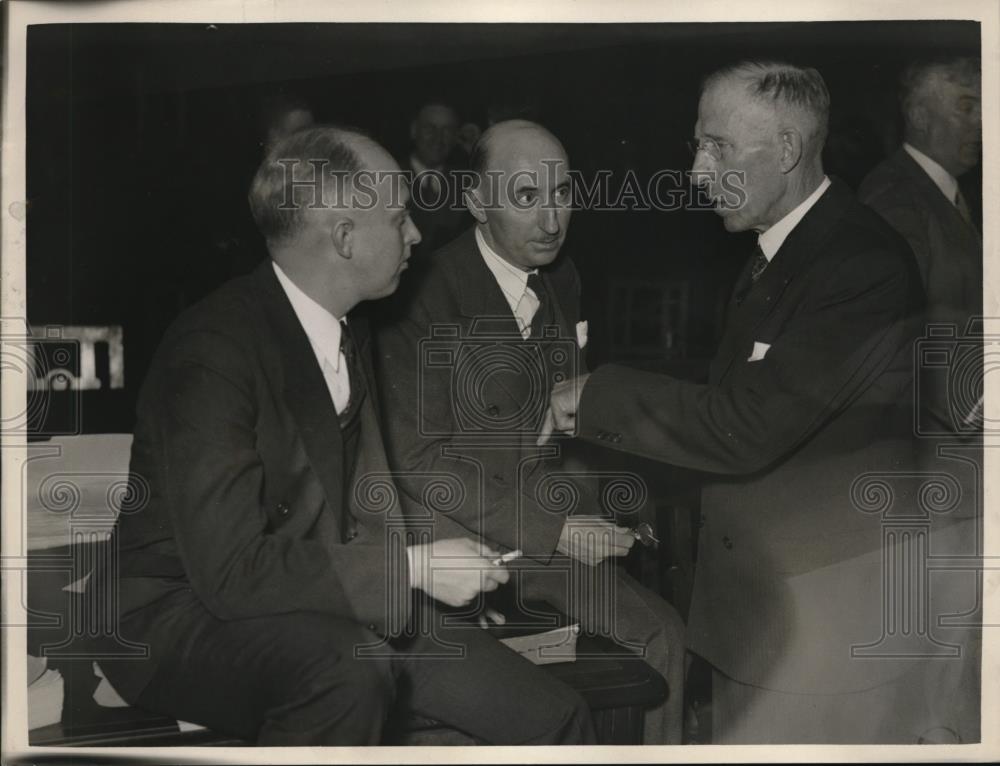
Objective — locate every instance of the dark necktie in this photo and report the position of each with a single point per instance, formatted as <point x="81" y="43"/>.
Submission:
<point x="354" y="374"/>
<point x="538" y="320"/>
<point x="758" y="265"/>
<point x="963" y="208"/>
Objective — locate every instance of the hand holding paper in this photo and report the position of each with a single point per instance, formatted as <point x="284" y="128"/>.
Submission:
<point x="592" y="539"/>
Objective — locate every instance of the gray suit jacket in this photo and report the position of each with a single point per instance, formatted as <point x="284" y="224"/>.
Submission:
<point x="464" y="396"/>
<point x="948" y="250"/>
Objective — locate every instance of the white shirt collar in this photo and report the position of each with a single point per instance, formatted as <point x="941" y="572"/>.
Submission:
<point x="772" y="239"/>
<point x="322" y="328"/>
<point x="942" y="179"/>
<point x="512" y="280"/>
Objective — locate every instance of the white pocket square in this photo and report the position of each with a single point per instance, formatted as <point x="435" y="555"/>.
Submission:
<point x="759" y="351"/>
<point x="581" y="333"/>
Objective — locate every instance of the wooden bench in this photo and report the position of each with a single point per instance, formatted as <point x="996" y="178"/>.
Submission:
<point x="617" y="686"/>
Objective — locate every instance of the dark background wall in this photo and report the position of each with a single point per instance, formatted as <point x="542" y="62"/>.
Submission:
<point x="142" y="139"/>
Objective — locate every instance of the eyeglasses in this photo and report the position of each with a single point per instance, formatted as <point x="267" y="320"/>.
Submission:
<point x="710" y="146"/>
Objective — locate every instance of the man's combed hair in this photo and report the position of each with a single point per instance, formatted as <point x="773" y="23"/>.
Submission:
<point x="776" y="82"/>
<point x="916" y="78"/>
<point x="283" y="184"/>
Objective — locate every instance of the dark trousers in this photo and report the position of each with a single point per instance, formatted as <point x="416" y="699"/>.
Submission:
<point x="304" y="679"/>
<point x="608" y="602"/>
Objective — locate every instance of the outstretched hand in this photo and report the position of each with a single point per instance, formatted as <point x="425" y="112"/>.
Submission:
<point x="564" y="401"/>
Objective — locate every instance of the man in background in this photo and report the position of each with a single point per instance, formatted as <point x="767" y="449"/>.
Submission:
<point x="515" y="304"/>
<point x="917" y="191"/>
<point x="434" y="134"/>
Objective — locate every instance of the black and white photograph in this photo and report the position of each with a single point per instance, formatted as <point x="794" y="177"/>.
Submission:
<point x="553" y="383"/>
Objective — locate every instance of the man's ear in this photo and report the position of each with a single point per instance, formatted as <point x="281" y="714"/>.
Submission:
<point x="791" y="149"/>
<point x="474" y="204"/>
<point x="342" y="237"/>
<point x="916" y="118"/>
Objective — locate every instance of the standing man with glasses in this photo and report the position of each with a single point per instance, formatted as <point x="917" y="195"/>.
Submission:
<point x="807" y="392"/>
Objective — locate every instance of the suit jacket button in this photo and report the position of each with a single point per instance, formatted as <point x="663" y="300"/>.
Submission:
<point x="371" y="627"/>
<point x="352" y="534"/>
<point x="493" y="411"/>
<point x="283" y="510"/>
<point x="728" y="543"/>
<point x="616" y="438"/>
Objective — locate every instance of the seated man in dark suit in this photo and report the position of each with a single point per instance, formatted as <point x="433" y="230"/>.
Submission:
<point x="469" y="408"/>
<point x="267" y="569"/>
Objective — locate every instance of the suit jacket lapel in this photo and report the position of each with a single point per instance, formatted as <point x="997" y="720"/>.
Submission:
<point x="480" y="297"/>
<point x="483" y="303"/>
<point x="946" y="209"/>
<point x="801" y="246"/>
<point x="305" y="391"/>
<point x="565" y="311"/>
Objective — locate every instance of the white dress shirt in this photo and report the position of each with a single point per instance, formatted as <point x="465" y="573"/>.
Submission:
<point x="772" y="239"/>
<point x="323" y="330"/>
<point x="429" y="181"/>
<point x="513" y="283"/>
<point x="942" y="179"/>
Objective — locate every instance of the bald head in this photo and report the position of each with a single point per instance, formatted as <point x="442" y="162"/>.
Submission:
<point x="521" y="200"/>
<point x="503" y="144"/>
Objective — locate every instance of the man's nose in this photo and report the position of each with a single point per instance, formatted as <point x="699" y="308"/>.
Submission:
<point x="412" y="233"/>
<point x="702" y="170"/>
<point x="549" y="219"/>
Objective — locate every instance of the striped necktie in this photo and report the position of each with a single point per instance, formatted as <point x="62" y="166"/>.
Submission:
<point x="759" y="264"/>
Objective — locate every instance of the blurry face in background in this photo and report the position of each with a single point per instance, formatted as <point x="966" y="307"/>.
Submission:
<point x="950" y="121"/>
<point x="528" y="224"/>
<point x="434" y="134"/>
<point x="737" y="133"/>
<point x="288" y="123"/>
